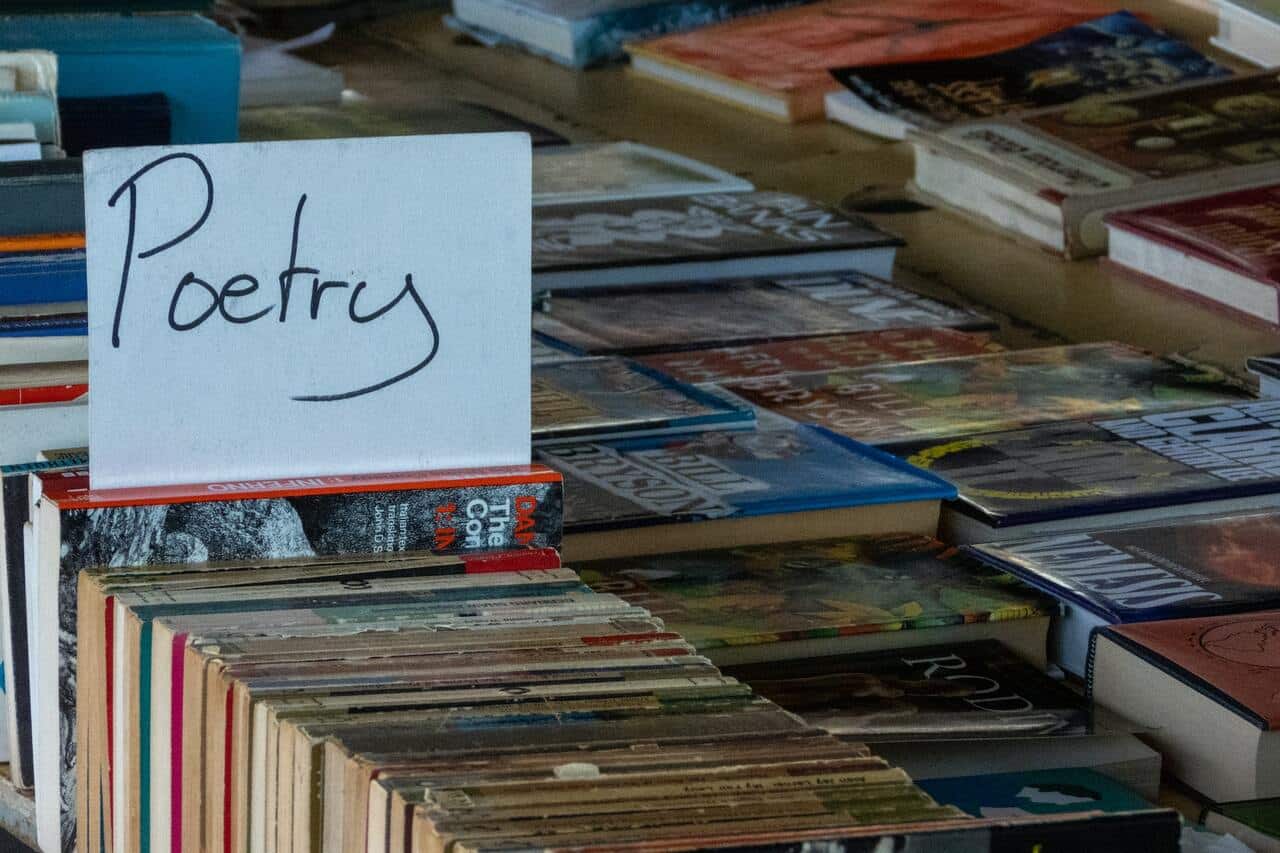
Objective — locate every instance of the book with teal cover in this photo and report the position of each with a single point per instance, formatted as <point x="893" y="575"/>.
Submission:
<point x="770" y="594"/>
<point x="189" y="59"/>
<point x="1039" y="792"/>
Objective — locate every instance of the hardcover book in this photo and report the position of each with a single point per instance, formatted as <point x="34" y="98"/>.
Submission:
<point x="1206" y="689"/>
<point x="76" y="528"/>
<point x="1109" y="55"/>
<point x="603" y="398"/>
<point x="833" y="352"/>
<point x="696" y="316"/>
<point x="1180" y="569"/>
<point x="1221" y="248"/>
<point x="891" y="405"/>
<point x="702" y="237"/>
<point x="1106" y="473"/>
<point x="580" y="33"/>
<point x="1048" y="175"/>
<point x="718" y="489"/>
<point x="803" y="599"/>
<point x="779" y="64"/>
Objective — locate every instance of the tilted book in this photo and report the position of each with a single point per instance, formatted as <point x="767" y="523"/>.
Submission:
<point x="1180" y="569"/>
<point x="701" y="237"/>
<point x="76" y="528"/>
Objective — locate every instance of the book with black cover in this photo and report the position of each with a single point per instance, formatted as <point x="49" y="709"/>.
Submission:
<point x="1103" y="473"/>
<point x="601" y="321"/>
<point x="1171" y="570"/>
<point x="704" y="237"/>
<point x="611" y="397"/>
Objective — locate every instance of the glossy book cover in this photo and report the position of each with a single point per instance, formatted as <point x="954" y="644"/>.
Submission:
<point x="694" y="316"/>
<point x="1109" y="55"/>
<point x="611" y="397"/>
<point x="766" y="594"/>
<point x="1064" y="791"/>
<point x="1233" y="659"/>
<point x="722" y="474"/>
<point x="833" y="352"/>
<point x="1080" y="468"/>
<point x="1181" y="569"/>
<point x="948" y="398"/>
<point x="962" y="691"/>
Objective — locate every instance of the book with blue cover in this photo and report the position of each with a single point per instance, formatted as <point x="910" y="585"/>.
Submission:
<point x="1042" y="792"/>
<point x="1211" y="459"/>
<point x="1172" y="570"/>
<point x="783" y="482"/>
<point x="1110" y="55"/>
<point x="32" y="278"/>
<point x="611" y="397"/>
<point x="580" y="33"/>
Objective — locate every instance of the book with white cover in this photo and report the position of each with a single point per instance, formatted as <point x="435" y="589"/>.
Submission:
<point x="615" y="171"/>
<point x="1250" y="29"/>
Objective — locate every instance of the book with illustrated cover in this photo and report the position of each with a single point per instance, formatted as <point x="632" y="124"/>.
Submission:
<point x="717" y="489"/>
<point x="1221" y="248"/>
<point x="1105" y="473"/>
<point x="1207" y="689"/>
<point x="779" y="64"/>
<point x="1048" y="175"/>
<point x="833" y="352"/>
<point x="696" y="316"/>
<point x="1180" y="569"/>
<point x="803" y="599"/>
<point x="609" y="171"/>
<point x="1064" y="791"/>
<point x="76" y="528"/>
<point x="1108" y="55"/>
<point x="700" y="238"/>
<point x="602" y="398"/>
<point x="891" y="405"/>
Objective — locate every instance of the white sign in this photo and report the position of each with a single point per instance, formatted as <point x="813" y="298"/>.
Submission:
<point x="302" y="308"/>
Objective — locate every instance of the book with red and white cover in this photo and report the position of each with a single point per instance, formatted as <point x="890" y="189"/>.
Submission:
<point x="74" y="527"/>
<point x="1224" y="248"/>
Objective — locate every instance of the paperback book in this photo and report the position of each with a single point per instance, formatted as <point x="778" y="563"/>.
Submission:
<point x="1048" y="175"/>
<point x="613" y="171"/>
<point x="1064" y="791"/>
<point x="700" y="238"/>
<point x="892" y="405"/>
<point x="1206" y="689"/>
<point x="1075" y="475"/>
<point x="603" y="398"/>
<point x="1174" y="570"/>
<point x="698" y="316"/>
<point x="720" y="489"/>
<point x="804" y="599"/>
<point x="1109" y="55"/>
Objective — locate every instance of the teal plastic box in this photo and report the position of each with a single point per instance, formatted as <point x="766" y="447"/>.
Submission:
<point x="190" y="59"/>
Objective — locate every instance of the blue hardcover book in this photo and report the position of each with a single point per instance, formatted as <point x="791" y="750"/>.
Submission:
<point x="192" y="61"/>
<point x="1107" y="56"/>
<point x="1041" y="792"/>
<point x="604" y="398"/>
<point x="1172" y="570"/>
<point x="1107" y="473"/>
<point x="783" y="482"/>
<point x="33" y="278"/>
<point x="580" y="33"/>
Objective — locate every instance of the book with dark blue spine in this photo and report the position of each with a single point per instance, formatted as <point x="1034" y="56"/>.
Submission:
<point x="1173" y="570"/>
<point x="1107" y="473"/>
<point x="42" y="277"/>
<point x="782" y="482"/>
<point x="603" y="398"/>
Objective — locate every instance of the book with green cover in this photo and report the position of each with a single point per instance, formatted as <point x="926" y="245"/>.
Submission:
<point x="799" y="599"/>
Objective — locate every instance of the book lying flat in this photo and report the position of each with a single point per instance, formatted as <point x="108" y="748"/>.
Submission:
<point x="1109" y="55"/>
<point x="602" y="398"/>
<point x="700" y="238"/>
<point x="720" y="489"/>
<point x="1205" y="689"/>
<point x="1179" y="569"/>
<point x="1063" y="791"/>
<point x="804" y="599"/>
<point x="602" y="321"/>
<point x="617" y="171"/>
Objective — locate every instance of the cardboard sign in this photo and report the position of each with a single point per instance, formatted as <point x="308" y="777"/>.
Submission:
<point x="301" y="308"/>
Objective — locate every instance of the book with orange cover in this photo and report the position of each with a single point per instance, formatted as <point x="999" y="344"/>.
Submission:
<point x="779" y="63"/>
<point x="40" y="242"/>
